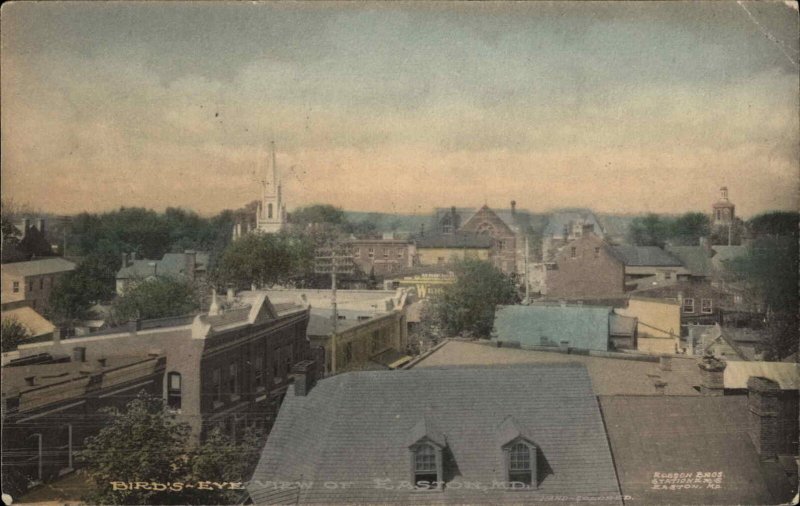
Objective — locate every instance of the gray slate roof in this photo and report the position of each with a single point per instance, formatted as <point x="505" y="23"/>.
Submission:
<point x="695" y="258"/>
<point x="638" y="256"/>
<point x="471" y="241"/>
<point x="172" y="264"/>
<point x="666" y="434"/>
<point x="584" y="327"/>
<point x="561" y="218"/>
<point x="355" y="427"/>
<point x="39" y="267"/>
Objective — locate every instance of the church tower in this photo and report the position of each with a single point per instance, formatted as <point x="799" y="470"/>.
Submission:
<point x="271" y="216"/>
<point x="723" y="209"/>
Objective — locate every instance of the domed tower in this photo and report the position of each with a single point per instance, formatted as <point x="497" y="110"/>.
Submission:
<point x="722" y="212"/>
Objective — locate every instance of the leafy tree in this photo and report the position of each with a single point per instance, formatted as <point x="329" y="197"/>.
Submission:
<point x="156" y="297"/>
<point x="141" y="443"/>
<point x="777" y="223"/>
<point x="769" y="271"/>
<point x="261" y="259"/>
<point x="318" y="213"/>
<point x="688" y="228"/>
<point x="723" y="234"/>
<point x="467" y="306"/>
<point x="12" y="334"/>
<point x="91" y="282"/>
<point x="650" y="230"/>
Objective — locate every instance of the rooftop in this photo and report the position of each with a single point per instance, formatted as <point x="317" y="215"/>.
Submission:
<point x="609" y="376"/>
<point x="39" y="267"/>
<point x="585" y="327"/>
<point x="655" y="437"/>
<point x="172" y="264"/>
<point x="37" y="324"/>
<point x="695" y="258"/>
<point x="366" y="420"/>
<point x="645" y="256"/>
<point x="457" y="240"/>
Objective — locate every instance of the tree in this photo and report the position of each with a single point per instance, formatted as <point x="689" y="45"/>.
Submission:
<point x="141" y="443"/>
<point x="91" y="282"/>
<point x="650" y="230"/>
<point x="316" y="214"/>
<point x="688" y="228"/>
<point x="12" y="334"/>
<point x="261" y="259"/>
<point x="769" y="271"/>
<point x="467" y="306"/>
<point x="156" y="297"/>
<point x="777" y="223"/>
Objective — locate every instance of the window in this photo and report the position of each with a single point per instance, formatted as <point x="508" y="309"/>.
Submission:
<point x="440" y="260"/>
<point x="667" y="274"/>
<point x="174" y="390"/>
<point x="573" y="252"/>
<point x="258" y="370"/>
<point x="216" y="385"/>
<point x="706" y="306"/>
<point x="269" y="210"/>
<point x="15" y="289"/>
<point x="501" y="244"/>
<point x="519" y="464"/>
<point x="30" y="286"/>
<point x="385" y="252"/>
<point x="688" y="305"/>
<point x="425" y="473"/>
<point x="597" y="252"/>
<point x="233" y="378"/>
<point x="357" y="252"/>
<point x="719" y="215"/>
<point x="371" y="252"/>
<point x="41" y="283"/>
<point x="348" y="353"/>
<point x="399" y="252"/>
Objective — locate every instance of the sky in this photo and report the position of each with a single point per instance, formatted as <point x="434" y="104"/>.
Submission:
<point x="621" y="107"/>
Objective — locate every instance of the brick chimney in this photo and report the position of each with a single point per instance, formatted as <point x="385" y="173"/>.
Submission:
<point x="513" y="207"/>
<point x="79" y="354"/>
<point x="191" y="263"/>
<point x="124" y="259"/>
<point x="764" y="426"/>
<point x="305" y="376"/>
<point x="712" y="375"/>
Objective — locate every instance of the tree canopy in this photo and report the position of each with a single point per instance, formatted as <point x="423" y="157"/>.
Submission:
<point x="261" y="259"/>
<point x="92" y="281"/>
<point x="156" y="297"/>
<point x="467" y="306"/>
<point x="656" y="230"/>
<point x="144" y="442"/>
<point x="777" y="223"/>
<point x="12" y="334"/>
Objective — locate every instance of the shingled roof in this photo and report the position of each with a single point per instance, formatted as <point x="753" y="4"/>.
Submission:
<point x="645" y="256"/>
<point x="668" y="450"/>
<point x="584" y="327"/>
<point x="355" y="428"/>
<point x="469" y="241"/>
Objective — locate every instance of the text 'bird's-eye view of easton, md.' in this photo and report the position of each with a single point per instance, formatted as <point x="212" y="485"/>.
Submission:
<point x="412" y="252"/>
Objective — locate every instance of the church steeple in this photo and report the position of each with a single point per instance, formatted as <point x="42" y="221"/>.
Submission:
<point x="271" y="213"/>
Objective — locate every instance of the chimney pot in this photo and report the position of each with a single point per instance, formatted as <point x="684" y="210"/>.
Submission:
<point x="305" y="376"/>
<point x="79" y="354"/>
<point x="712" y="376"/>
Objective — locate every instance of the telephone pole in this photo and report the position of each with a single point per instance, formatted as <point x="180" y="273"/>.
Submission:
<point x="334" y="259"/>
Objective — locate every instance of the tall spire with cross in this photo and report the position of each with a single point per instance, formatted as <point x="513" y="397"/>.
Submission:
<point x="272" y="213"/>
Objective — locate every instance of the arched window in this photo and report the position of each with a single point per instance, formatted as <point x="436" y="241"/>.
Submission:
<point x="174" y="390"/>
<point x="485" y="229"/>
<point x="425" y="473"/>
<point x="519" y="464"/>
<point x="447" y="225"/>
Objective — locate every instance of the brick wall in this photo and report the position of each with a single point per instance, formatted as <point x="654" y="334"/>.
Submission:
<point x="587" y="271"/>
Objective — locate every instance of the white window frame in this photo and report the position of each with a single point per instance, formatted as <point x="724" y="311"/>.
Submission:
<point x="703" y="309"/>
<point x="688" y="302"/>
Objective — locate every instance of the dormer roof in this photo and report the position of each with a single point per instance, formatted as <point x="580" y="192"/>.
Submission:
<point x="425" y="431"/>
<point x="509" y="431"/>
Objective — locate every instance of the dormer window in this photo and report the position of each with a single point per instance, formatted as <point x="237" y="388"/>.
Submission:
<point x="425" y="474"/>
<point x="520" y="469"/>
<point x="426" y="450"/>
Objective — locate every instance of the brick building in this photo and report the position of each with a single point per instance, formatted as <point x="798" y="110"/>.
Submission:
<point x="227" y="368"/>
<point x="382" y="257"/>
<point x="51" y="403"/>
<point x="585" y="268"/>
<point x="30" y="283"/>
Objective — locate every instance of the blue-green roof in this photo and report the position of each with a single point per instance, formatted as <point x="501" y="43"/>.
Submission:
<point x="582" y="327"/>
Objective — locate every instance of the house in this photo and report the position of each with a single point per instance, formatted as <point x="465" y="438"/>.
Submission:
<point x="565" y="226"/>
<point x="701" y="303"/>
<point x="586" y="267"/>
<point x="658" y="323"/>
<point x="648" y="261"/>
<point x="30" y="283"/>
<point x="38" y="326"/>
<point x="566" y="326"/>
<point x="51" y="404"/>
<point x="382" y="257"/>
<point x="438" y="435"/>
<point x="227" y="368"/>
<point x="441" y="249"/>
<point x="371" y="329"/>
<point x="190" y="266"/>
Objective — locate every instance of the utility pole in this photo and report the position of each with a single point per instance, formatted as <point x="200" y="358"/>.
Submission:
<point x="334" y="259"/>
<point x="527" y="280"/>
